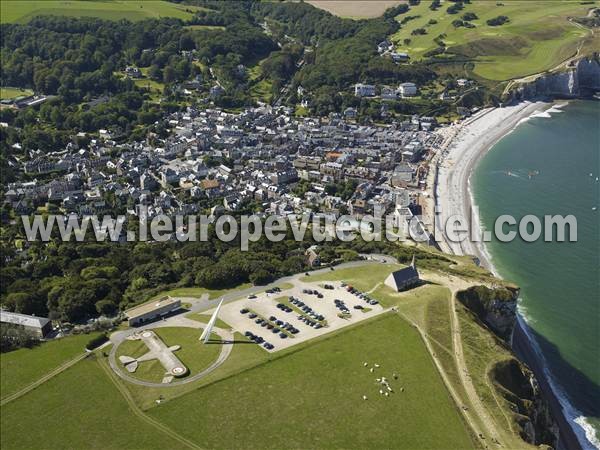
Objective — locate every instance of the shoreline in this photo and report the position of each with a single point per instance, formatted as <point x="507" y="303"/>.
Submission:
<point x="453" y="196"/>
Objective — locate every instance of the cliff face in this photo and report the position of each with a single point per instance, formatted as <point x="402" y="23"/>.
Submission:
<point x="580" y="80"/>
<point x="496" y="308"/>
<point x="515" y="382"/>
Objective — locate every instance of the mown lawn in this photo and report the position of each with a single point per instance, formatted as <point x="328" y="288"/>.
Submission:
<point x="312" y="398"/>
<point x="195" y="355"/>
<point x="363" y="278"/>
<point x="7" y="93"/>
<point x="78" y="409"/>
<point x="24" y="10"/>
<point x="538" y="36"/>
<point x="204" y="318"/>
<point x="25" y="366"/>
<point x="244" y="355"/>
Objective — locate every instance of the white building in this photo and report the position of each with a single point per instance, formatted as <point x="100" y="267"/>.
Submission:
<point x="385" y="46"/>
<point x="40" y="326"/>
<point x="407" y="90"/>
<point x="364" y="90"/>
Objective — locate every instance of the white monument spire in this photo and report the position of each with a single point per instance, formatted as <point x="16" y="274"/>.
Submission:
<point x="205" y="336"/>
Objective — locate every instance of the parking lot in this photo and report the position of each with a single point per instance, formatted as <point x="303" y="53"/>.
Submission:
<point x="288" y="317"/>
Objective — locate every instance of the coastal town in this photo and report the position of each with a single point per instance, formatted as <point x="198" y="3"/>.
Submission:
<point x="262" y="160"/>
<point x="299" y="224"/>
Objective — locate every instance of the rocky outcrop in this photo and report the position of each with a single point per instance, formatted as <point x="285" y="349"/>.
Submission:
<point x="494" y="307"/>
<point x="581" y="79"/>
<point x="515" y="382"/>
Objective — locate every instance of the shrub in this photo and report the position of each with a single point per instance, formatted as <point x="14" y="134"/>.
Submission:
<point x="454" y="9"/>
<point x="96" y="342"/>
<point x="497" y="21"/>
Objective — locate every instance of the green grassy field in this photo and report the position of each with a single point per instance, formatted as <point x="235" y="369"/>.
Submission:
<point x="538" y="36"/>
<point x="80" y="408"/>
<point x="482" y="350"/>
<point x="242" y="357"/>
<point x="134" y="10"/>
<point x="313" y="398"/>
<point x="192" y="353"/>
<point x="25" y="366"/>
<point x="363" y="278"/>
<point x="7" y="93"/>
<point x="204" y="318"/>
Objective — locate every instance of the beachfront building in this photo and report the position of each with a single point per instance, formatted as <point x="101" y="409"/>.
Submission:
<point x="407" y="90"/>
<point x="364" y="90"/>
<point x="39" y="326"/>
<point x="152" y="310"/>
<point x="403" y="279"/>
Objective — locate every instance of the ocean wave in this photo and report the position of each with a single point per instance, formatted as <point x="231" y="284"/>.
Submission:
<point x="524" y="312"/>
<point x="545" y="114"/>
<point x="583" y="429"/>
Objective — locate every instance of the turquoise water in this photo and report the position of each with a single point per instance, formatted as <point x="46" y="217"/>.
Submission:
<point x="560" y="282"/>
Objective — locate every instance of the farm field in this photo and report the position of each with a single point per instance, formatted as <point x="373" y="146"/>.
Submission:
<point x="293" y="389"/>
<point x="355" y="9"/>
<point x="7" y="93"/>
<point x="134" y="10"/>
<point x="24" y="366"/>
<point x="81" y="407"/>
<point x="537" y="38"/>
<point x="192" y="353"/>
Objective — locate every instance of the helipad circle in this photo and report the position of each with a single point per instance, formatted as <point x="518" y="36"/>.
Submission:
<point x="177" y="371"/>
<point x="147" y="334"/>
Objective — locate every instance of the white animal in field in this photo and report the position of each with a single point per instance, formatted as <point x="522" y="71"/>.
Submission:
<point x="401" y="389"/>
<point x="387" y="394"/>
<point x="376" y="365"/>
<point x="389" y="389"/>
<point x="364" y="397"/>
<point x="371" y="370"/>
<point x="365" y="364"/>
<point x="378" y="380"/>
<point x="380" y="391"/>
